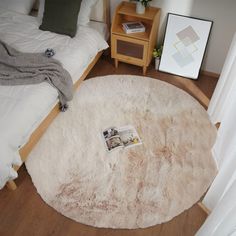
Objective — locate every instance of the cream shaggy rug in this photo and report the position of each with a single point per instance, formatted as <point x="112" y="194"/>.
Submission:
<point x="128" y="188"/>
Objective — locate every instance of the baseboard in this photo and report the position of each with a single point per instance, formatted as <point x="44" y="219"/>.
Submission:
<point x="211" y="74"/>
<point x="204" y="208"/>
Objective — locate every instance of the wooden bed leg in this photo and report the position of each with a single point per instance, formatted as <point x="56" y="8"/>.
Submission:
<point x="11" y="185"/>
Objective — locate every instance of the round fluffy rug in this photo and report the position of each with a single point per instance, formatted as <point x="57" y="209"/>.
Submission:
<point x="127" y="188"/>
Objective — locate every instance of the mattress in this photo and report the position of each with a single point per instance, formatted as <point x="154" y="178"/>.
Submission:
<point x="23" y="108"/>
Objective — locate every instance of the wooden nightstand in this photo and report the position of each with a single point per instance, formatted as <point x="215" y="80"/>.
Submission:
<point x="134" y="48"/>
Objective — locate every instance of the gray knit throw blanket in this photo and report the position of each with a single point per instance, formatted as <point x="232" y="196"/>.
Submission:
<point x="18" y="68"/>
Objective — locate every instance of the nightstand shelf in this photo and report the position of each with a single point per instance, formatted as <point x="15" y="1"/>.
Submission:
<point x="134" y="48"/>
<point x="144" y="36"/>
<point x="129" y="9"/>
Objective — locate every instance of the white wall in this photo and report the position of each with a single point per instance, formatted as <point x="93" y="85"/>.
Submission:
<point x="222" y="12"/>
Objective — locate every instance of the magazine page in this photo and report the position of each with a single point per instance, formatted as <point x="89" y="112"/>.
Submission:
<point x="112" y="139"/>
<point x="129" y="136"/>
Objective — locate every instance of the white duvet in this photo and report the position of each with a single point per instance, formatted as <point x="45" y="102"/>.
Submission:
<point x="22" y="108"/>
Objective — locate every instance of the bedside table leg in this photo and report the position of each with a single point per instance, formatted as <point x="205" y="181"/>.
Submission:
<point x="116" y="63"/>
<point x="144" y="70"/>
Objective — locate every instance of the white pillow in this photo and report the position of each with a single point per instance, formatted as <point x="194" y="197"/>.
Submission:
<point x="41" y="9"/>
<point x="84" y="13"/>
<point x="97" y="13"/>
<point x="20" y="6"/>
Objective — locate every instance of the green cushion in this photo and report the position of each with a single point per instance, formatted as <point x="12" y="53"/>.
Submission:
<point x="60" y="16"/>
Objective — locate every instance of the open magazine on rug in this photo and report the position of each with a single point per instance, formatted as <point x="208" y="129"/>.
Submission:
<point x="122" y="137"/>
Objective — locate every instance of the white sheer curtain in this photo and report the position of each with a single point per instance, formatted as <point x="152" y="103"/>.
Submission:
<point x="223" y="92"/>
<point x="221" y="197"/>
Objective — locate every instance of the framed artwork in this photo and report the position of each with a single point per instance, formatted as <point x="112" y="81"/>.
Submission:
<point x="184" y="45"/>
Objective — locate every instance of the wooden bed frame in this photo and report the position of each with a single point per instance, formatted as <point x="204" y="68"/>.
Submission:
<point x="37" y="134"/>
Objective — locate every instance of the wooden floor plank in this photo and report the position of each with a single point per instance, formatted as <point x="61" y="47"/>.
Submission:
<point x="24" y="213"/>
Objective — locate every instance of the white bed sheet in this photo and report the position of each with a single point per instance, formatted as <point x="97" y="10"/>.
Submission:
<point x="22" y="108"/>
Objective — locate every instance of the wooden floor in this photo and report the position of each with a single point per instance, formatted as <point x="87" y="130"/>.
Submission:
<point x="23" y="212"/>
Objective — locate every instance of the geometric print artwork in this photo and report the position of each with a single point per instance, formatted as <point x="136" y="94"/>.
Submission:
<point x="185" y="43"/>
<point x="188" y="36"/>
<point x="185" y="46"/>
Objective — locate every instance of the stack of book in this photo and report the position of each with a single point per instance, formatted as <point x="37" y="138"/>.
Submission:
<point x="133" y="27"/>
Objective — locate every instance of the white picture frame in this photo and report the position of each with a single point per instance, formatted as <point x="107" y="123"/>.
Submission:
<point x="184" y="45"/>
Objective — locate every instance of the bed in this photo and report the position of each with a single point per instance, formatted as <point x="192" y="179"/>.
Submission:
<point x="27" y="110"/>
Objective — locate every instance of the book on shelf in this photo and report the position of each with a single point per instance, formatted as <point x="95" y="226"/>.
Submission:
<point x="122" y="137"/>
<point x="133" y="27"/>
